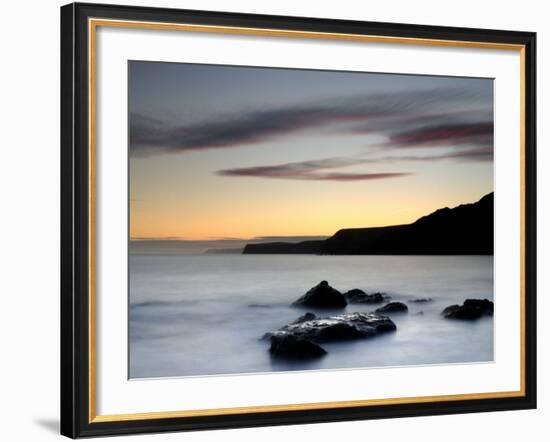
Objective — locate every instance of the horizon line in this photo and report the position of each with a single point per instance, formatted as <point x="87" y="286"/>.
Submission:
<point x="271" y="237"/>
<point x="210" y="239"/>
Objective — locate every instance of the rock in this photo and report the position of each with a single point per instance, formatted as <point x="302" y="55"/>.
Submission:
<point x="421" y="300"/>
<point x="341" y="331"/>
<point x="291" y="346"/>
<point x="420" y="313"/>
<point x="393" y="307"/>
<point x="358" y="296"/>
<point x="307" y="317"/>
<point x="471" y="309"/>
<point x="350" y="294"/>
<point x="449" y="311"/>
<point x="322" y="296"/>
<point x="336" y="328"/>
<point x="259" y="305"/>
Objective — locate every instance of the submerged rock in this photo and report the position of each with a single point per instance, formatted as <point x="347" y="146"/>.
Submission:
<point x="291" y="346"/>
<point x="336" y="328"/>
<point x="471" y="309"/>
<point x="358" y="296"/>
<point x="421" y="300"/>
<point x="393" y="307"/>
<point x="259" y="305"/>
<point x="322" y="296"/>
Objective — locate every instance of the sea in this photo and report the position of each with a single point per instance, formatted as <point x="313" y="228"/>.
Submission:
<point x="205" y="314"/>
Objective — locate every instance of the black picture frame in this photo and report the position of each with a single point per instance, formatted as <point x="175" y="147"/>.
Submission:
<point x="75" y="221"/>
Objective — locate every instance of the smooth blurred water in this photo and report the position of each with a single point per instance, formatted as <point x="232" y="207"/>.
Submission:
<point x="204" y="314"/>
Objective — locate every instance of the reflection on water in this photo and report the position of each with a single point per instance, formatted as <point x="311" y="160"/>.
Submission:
<point x="204" y="314"/>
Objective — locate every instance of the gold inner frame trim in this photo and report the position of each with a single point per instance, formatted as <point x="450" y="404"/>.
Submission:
<point x="93" y="24"/>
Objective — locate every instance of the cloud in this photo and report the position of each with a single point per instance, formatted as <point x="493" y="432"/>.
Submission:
<point x="476" y="154"/>
<point x="356" y="176"/>
<point x="381" y="113"/>
<point x="310" y="170"/>
<point x="450" y="134"/>
<point x="149" y="136"/>
<point x="316" y="169"/>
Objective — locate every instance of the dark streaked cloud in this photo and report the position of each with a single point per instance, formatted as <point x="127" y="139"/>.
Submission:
<point x="309" y="170"/>
<point x="316" y="169"/>
<point x="478" y="154"/>
<point x="335" y="176"/>
<point x="450" y="134"/>
<point x="380" y="113"/>
<point x="148" y="136"/>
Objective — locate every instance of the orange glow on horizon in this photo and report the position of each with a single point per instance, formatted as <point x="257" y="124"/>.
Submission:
<point x="278" y="219"/>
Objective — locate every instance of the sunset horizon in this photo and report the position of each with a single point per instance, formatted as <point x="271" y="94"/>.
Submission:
<point x="293" y="236"/>
<point x="246" y="152"/>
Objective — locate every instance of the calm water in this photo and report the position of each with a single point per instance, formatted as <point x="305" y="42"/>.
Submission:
<point x="193" y="314"/>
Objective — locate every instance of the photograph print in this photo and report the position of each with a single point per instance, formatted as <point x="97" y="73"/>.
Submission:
<point x="294" y="219"/>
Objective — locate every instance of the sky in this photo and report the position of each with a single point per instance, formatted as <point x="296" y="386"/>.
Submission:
<point x="233" y="152"/>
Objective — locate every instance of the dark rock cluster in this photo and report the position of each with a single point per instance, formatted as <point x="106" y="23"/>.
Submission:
<point x="393" y="307"/>
<point x="325" y="296"/>
<point x="301" y="338"/>
<point x="322" y="296"/>
<point x="293" y="347"/>
<point x="471" y="309"/>
<point x="358" y="296"/>
<point x="308" y="331"/>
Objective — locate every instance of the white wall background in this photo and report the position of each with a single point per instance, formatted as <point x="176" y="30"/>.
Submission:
<point x="29" y="220"/>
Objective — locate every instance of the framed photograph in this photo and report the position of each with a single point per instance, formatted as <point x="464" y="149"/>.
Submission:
<point x="274" y="220"/>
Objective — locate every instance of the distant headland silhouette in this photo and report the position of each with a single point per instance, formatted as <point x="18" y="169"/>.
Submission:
<point x="463" y="230"/>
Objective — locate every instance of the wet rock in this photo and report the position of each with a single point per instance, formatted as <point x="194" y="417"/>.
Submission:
<point x="307" y="317"/>
<point x="471" y="309"/>
<point x="294" y="347"/>
<point x="259" y="305"/>
<point x="336" y="328"/>
<point x="358" y="296"/>
<point x="322" y="296"/>
<point x="393" y="307"/>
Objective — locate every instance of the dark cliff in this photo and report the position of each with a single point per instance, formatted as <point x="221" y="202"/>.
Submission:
<point x="463" y="230"/>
